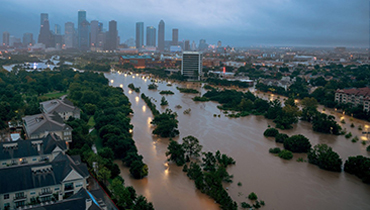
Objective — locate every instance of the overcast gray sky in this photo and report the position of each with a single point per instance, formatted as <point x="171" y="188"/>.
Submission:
<point x="234" y="22"/>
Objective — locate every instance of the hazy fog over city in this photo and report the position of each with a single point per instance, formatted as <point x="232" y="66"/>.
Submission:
<point x="235" y="22"/>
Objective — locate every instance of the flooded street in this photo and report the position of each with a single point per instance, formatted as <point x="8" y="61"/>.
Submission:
<point x="281" y="184"/>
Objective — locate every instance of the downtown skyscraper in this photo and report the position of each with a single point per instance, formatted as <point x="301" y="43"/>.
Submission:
<point x="69" y="35"/>
<point x="45" y="35"/>
<point x="43" y="17"/>
<point x="112" y="38"/>
<point x="161" y="30"/>
<point x="6" y="37"/>
<point x="175" y="37"/>
<point x="150" y="36"/>
<point x="139" y="35"/>
<point x="83" y="31"/>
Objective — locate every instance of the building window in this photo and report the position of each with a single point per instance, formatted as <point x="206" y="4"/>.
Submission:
<point x="4" y="163"/>
<point x="80" y="184"/>
<point x="56" y="189"/>
<point x="19" y="195"/>
<point x="34" y="159"/>
<point x="6" y="196"/>
<point x="68" y="186"/>
<point x="19" y="203"/>
<point x="32" y="193"/>
<point x="6" y="206"/>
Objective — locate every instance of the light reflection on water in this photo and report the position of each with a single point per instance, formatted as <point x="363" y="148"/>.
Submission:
<point x="281" y="184"/>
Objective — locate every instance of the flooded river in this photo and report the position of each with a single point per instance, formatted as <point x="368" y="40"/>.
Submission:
<point x="281" y="184"/>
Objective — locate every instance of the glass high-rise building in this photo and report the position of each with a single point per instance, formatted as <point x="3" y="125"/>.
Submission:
<point x="43" y="17"/>
<point x="139" y="35"/>
<point x="161" y="30"/>
<point x="84" y="35"/>
<point x="112" y="38"/>
<point x="83" y="31"/>
<point x="57" y="29"/>
<point x="150" y="36"/>
<point x="6" y="37"/>
<point x="192" y="65"/>
<point x="69" y="34"/>
<point x="27" y="39"/>
<point x="175" y="37"/>
<point x="94" y="32"/>
<point x="45" y="35"/>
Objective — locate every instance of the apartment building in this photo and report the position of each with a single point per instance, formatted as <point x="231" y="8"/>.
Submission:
<point x="355" y="96"/>
<point x="32" y="151"/>
<point x="43" y="182"/>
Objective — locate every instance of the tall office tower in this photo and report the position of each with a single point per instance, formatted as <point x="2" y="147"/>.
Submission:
<point x="101" y="42"/>
<point x="112" y="36"/>
<point x="187" y="45"/>
<point x="202" y="45"/>
<point x="150" y="36"/>
<point x="94" y="32"/>
<point x="69" y="33"/>
<point x="27" y="39"/>
<point x="193" y="46"/>
<point x="57" y="29"/>
<point x="82" y="31"/>
<point x="45" y="35"/>
<point x="175" y="37"/>
<point x="43" y="17"/>
<point x="219" y="44"/>
<point x="100" y="27"/>
<point x="161" y="30"/>
<point x="6" y="36"/>
<point x="84" y="35"/>
<point x="192" y="65"/>
<point x="139" y="35"/>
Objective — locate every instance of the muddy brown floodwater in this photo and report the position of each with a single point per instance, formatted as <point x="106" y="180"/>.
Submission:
<point x="281" y="184"/>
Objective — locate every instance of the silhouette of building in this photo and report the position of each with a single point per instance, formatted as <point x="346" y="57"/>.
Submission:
<point x="139" y="35"/>
<point x="175" y="37"/>
<point x="187" y="45"/>
<point x="57" y="29"/>
<point x="161" y="30"/>
<point x="202" y="45"/>
<point x="27" y="39"/>
<point x="192" y="65"/>
<point x="112" y="42"/>
<point x="150" y="36"/>
<point x="6" y="36"/>
<point x="84" y="35"/>
<point x="83" y="31"/>
<point x="43" y="17"/>
<point x="45" y="35"/>
<point x="94" y="33"/>
<point x="69" y="35"/>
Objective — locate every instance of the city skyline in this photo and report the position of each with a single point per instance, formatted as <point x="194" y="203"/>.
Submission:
<point x="236" y="23"/>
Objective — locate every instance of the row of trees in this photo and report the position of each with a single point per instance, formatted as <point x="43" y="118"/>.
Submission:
<point x="166" y="122"/>
<point x="321" y="155"/>
<point x="208" y="174"/>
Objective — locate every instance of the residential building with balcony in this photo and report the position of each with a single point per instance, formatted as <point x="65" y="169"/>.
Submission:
<point x="83" y="199"/>
<point x="32" y="151"/>
<point x="40" y="125"/>
<point x="355" y="96"/>
<point x="40" y="183"/>
<point x="63" y="107"/>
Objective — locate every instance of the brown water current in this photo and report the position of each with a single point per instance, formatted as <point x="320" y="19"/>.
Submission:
<point x="281" y="184"/>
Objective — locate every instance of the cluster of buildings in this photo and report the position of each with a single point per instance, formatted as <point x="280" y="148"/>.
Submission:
<point x="36" y="173"/>
<point x="354" y="96"/>
<point x="91" y="36"/>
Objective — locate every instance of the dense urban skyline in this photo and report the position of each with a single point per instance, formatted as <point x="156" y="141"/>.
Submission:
<point x="237" y="23"/>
